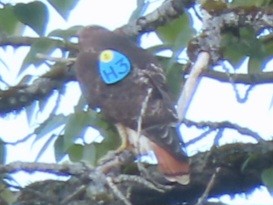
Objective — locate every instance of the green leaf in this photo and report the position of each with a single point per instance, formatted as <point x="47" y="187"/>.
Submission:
<point x="9" y="23"/>
<point x="267" y="179"/>
<point x="251" y="2"/>
<point x="75" y="152"/>
<point x="251" y="45"/>
<point x="66" y="34"/>
<point x="104" y="147"/>
<point x="63" y="7"/>
<point x="33" y="14"/>
<point x="59" y="150"/>
<point x="44" y="147"/>
<point x="6" y="195"/>
<point x="268" y="46"/>
<point x="74" y="128"/>
<point x="90" y="154"/>
<point x="177" y="33"/>
<point x="250" y="162"/>
<point x="81" y="105"/>
<point x="31" y="111"/>
<point x="111" y="137"/>
<point x="53" y="122"/>
<point x="142" y="6"/>
<point x="110" y="142"/>
<point x="44" y="46"/>
<point x="3" y="151"/>
<point x="174" y="76"/>
<point x="241" y="43"/>
<point x="107" y="130"/>
<point x="231" y="47"/>
<point x="254" y="65"/>
<point x="214" y="5"/>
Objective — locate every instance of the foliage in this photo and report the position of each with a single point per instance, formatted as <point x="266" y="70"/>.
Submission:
<point x="238" y="43"/>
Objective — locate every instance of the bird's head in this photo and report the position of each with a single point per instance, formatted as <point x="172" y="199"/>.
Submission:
<point x="92" y="38"/>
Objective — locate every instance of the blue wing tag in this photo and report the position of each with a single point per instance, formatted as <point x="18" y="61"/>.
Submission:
<point x="113" y="66"/>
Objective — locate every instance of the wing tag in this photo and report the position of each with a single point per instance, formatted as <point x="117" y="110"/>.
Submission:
<point x="113" y="66"/>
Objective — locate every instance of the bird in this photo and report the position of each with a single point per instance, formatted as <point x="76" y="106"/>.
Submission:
<point x="127" y="85"/>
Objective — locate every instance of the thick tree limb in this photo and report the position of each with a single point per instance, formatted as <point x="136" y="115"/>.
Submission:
<point x="18" y="97"/>
<point x="240" y="166"/>
<point x="168" y="11"/>
<point x="30" y="167"/>
<point x="240" y="171"/>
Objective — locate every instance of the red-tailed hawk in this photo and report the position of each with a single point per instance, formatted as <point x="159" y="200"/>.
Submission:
<point x="123" y="81"/>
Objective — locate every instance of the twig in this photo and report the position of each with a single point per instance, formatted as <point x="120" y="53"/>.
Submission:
<point x="75" y="194"/>
<point x="240" y="78"/>
<point x="117" y="192"/>
<point x="168" y="11"/>
<point x="54" y="59"/>
<point x="24" y="139"/>
<point x="121" y="158"/>
<point x="140" y="180"/>
<point x="221" y="125"/>
<point x="205" y="195"/>
<point x="15" y="98"/>
<point x="33" y="192"/>
<point x="17" y="41"/>
<point x="30" y="167"/>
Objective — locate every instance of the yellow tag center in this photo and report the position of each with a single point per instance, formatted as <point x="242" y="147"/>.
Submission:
<point x="106" y="56"/>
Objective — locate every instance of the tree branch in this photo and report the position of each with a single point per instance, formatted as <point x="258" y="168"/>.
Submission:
<point x="15" y="98"/>
<point x="18" y="97"/>
<point x="251" y="78"/>
<point x="17" y="41"/>
<point x="220" y="125"/>
<point x="30" y="167"/>
<point x="240" y="166"/>
<point x="239" y="170"/>
<point x="215" y="22"/>
<point x="168" y="11"/>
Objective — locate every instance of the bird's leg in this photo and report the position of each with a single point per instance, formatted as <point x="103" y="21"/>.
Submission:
<point x="123" y="137"/>
<point x="111" y="155"/>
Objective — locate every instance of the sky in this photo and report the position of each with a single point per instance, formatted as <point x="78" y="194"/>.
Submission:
<point x="212" y="101"/>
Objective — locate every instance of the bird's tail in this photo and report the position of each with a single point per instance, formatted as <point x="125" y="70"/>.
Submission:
<point x="173" y="169"/>
<point x="172" y="161"/>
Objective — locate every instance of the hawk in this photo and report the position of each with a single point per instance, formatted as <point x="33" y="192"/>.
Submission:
<point x="127" y="84"/>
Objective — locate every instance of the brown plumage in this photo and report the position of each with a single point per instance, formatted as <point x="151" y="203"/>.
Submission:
<point x="121" y="102"/>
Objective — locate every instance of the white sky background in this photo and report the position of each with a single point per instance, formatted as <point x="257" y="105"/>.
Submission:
<point x="212" y="102"/>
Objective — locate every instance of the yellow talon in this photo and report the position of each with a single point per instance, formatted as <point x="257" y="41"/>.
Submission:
<point x="123" y="136"/>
